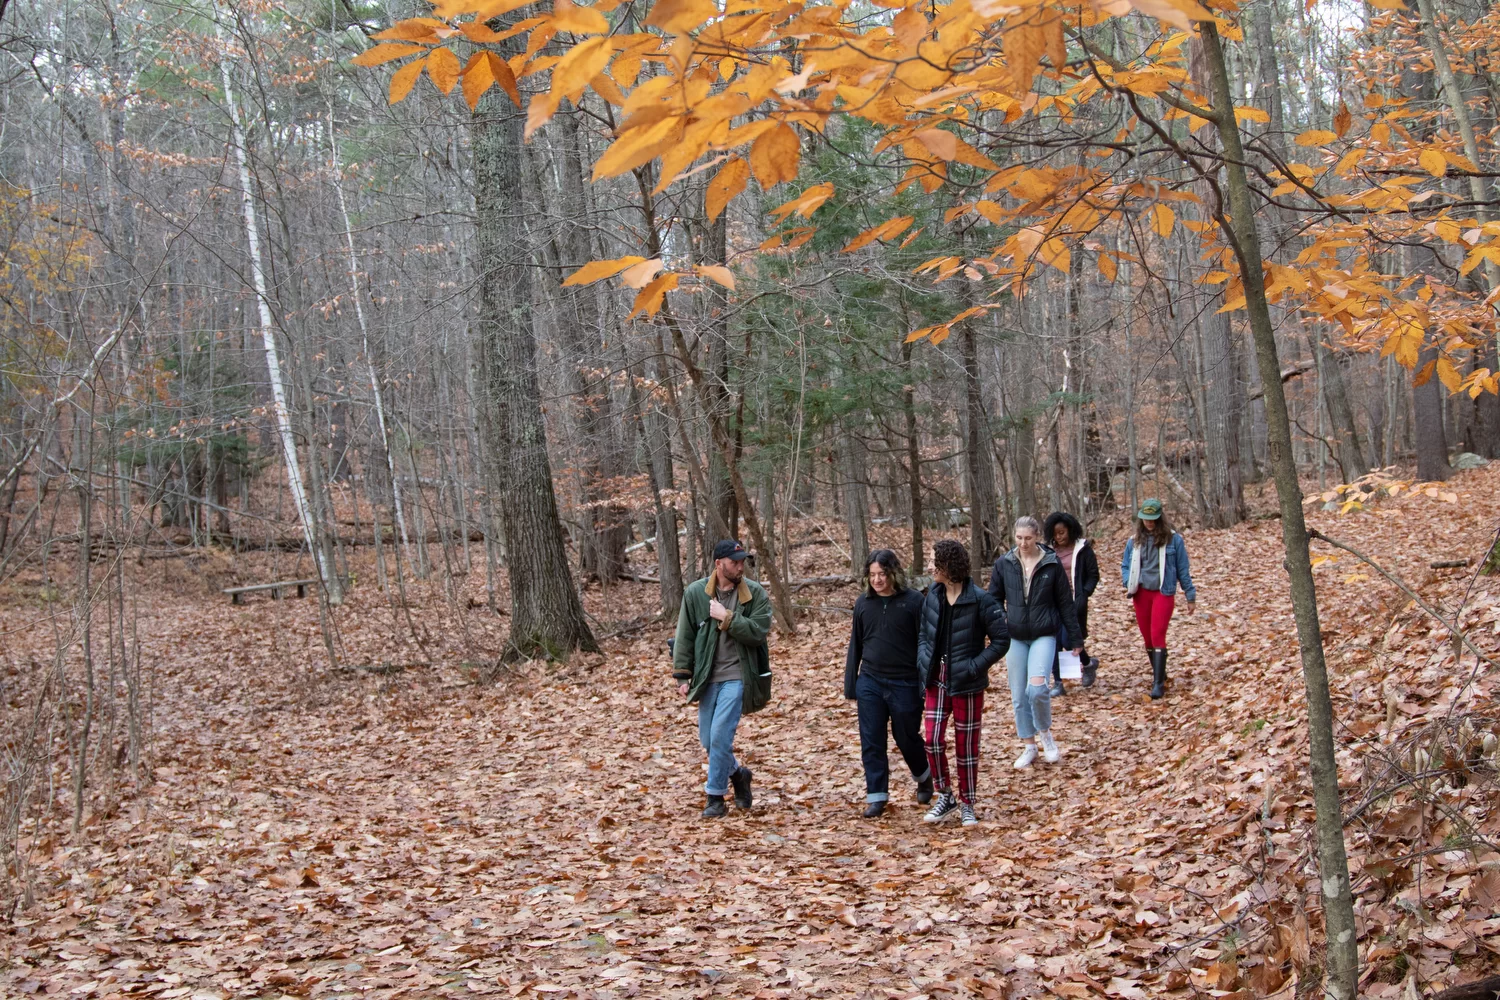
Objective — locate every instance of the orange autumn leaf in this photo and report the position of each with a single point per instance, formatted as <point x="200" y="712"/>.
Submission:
<point x="650" y="299"/>
<point x="385" y="53"/>
<point x="884" y="231"/>
<point x="775" y="155"/>
<point x="725" y="185"/>
<point x="404" y="79"/>
<point x="597" y="270"/>
<point x="443" y="69"/>
<point x="717" y="272"/>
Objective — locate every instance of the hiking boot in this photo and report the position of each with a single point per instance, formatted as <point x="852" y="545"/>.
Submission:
<point x="924" y="791"/>
<point x="1050" y="753"/>
<point x="1158" y="673"/>
<point x="945" y="807"/>
<point x="966" y="811"/>
<point x="716" y="809"/>
<point x="1028" y="754"/>
<point x="1090" y="671"/>
<point x="740" y="779"/>
<point x="1057" y="689"/>
<point x="874" y="809"/>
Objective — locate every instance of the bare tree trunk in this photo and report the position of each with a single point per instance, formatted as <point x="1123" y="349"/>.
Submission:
<point x="856" y="506"/>
<point x="656" y="441"/>
<point x="1486" y="424"/>
<point x="1224" y="399"/>
<point x="546" y="613"/>
<point x="326" y="571"/>
<point x="717" y="400"/>
<point x="607" y="527"/>
<point x="1349" y="445"/>
<point x="1333" y="862"/>
<point x="985" y="533"/>
<point x="1427" y="415"/>
<point x="913" y="462"/>
<point x="1453" y="95"/>
<point x="364" y="335"/>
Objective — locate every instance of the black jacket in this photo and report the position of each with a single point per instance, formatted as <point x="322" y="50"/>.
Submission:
<point x="1085" y="572"/>
<point x="884" y="637"/>
<point x="975" y="615"/>
<point x="1085" y="580"/>
<point x="1050" y="606"/>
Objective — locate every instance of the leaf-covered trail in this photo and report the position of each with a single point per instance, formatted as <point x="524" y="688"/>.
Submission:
<point x="396" y="836"/>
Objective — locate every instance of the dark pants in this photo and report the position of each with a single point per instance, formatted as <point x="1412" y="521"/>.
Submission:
<point x="883" y="702"/>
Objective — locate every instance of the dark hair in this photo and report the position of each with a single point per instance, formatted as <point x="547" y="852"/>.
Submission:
<point x="1049" y="527"/>
<point x="952" y="559"/>
<point x="1160" y="529"/>
<point x="891" y="563"/>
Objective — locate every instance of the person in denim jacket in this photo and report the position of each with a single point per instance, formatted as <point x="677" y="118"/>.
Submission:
<point x="1155" y="562"/>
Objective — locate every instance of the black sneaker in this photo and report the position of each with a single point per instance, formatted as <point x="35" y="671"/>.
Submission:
<point x="946" y="806"/>
<point x="874" y="809"/>
<point x="1090" y="671"/>
<point x="740" y="779"/>
<point x="716" y="809"/>
<point x="967" y="812"/>
<point x="924" y="791"/>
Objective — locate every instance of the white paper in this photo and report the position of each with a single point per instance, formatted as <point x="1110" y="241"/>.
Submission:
<point x="1069" y="665"/>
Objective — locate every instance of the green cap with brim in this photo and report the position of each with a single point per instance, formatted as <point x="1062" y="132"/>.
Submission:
<point x="1150" y="510"/>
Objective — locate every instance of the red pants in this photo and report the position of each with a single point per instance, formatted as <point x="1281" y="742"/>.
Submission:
<point x="1153" y="613"/>
<point x="967" y="711"/>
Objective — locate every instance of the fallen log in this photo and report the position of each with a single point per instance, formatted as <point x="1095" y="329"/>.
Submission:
<point x="817" y="581"/>
<point x="1487" y="988"/>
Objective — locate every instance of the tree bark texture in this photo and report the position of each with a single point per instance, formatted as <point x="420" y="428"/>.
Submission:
<point x="1333" y="862"/>
<point x="546" y="613"/>
<point x="279" y="403"/>
<point x="913" y="462"/>
<point x="607" y="527"/>
<point x="1427" y="415"/>
<point x="985" y="533"/>
<point x="856" y="505"/>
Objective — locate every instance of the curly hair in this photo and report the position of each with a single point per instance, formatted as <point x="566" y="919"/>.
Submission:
<point x="952" y="559"/>
<point x="1049" y="527"/>
<point x="891" y="563"/>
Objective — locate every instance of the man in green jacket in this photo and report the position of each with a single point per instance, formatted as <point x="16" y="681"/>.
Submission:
<point x="720" y="660"/>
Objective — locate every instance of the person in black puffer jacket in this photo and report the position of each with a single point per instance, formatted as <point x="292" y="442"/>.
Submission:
<point x="1029" y="581"/>
<point x="963" y="635"/>
<point x="1064" y="534"/>
<point x="880" y="673"/>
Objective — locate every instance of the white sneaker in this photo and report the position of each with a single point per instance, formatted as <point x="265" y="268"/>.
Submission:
<point x="1050" y="753"/>
<point x="1027" y="756"/>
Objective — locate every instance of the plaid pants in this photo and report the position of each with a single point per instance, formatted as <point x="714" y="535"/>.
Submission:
<point x="967" y="711"/>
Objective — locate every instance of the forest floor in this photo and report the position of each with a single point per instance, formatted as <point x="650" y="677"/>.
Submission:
<point x="316" y="833"/>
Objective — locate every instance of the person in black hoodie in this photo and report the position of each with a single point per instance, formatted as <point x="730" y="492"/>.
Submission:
<point x="954" y="660"/>
<point x="1029" y="581"/>
<point x="880" y="673"/>
<point x="1065" y="535"/>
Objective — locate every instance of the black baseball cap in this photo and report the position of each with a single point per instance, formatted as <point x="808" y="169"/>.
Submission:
<point x="728" y="548"/>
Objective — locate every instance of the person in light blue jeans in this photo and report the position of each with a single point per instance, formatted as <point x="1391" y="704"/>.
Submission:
<point x="1033" y="587"/>
<point x="718" y="717"/>
<point x="1025" y="662"/>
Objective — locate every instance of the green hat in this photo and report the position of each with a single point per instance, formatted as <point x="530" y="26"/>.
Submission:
<point x="1150" y="510"/>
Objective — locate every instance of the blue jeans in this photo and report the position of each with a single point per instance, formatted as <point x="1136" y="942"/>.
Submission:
<point x="718" y="718"/>
<point x="1026" y="661"/>
<point x="883" y="701"/>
